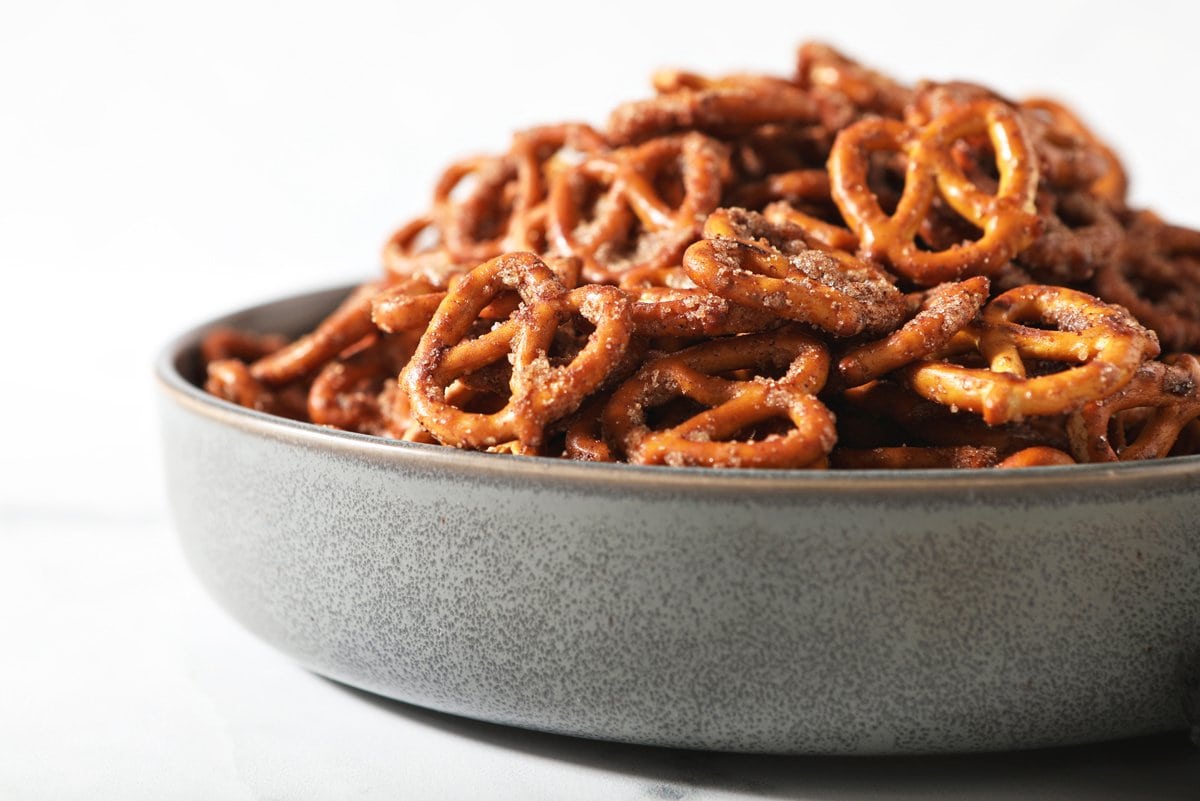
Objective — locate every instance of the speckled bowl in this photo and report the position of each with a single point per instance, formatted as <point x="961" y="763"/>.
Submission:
<point x="870" y="612"/>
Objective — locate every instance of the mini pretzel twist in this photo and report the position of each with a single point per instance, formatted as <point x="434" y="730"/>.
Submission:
<point x="541" y="391"/>
<point x="632" y="224"/>
<point x="1169" y="395"/>
<point x="944" y="311"/>
<point x="346" y="394"/>
<point x="722" y="106"/>
<point x="819" y="65"/>
<point x="1006" y="218"/>
<point x="667" y="303"/>
<point x="763" y="265"/>
<point x="718" y="437"/>
<point x="1155" y="273"/>
<point x="349" y="324"/>
<point x="1104" y="341"/>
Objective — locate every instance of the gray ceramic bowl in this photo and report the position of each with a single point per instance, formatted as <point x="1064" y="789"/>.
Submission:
<point x="871" y="612"/>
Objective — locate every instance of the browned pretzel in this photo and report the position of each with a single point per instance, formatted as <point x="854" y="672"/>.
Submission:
<point x="1006" y="218"/>
<point x="722" y="434"/>
<point x="1104" y="344"/>
<point x="1168" y="392"/>
<point x="764" y="265"/>
<point x="541" y="391"/>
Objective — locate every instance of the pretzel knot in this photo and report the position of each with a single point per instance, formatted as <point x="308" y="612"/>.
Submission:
<point x="1105" y="343"/>
<point x="764" y="265"/>
<point x="640" y="206"/>
<point x="544" y="388"/>
<point x="1161" y="400"/>
<point x="724" y="435"/>
<point x="1007" y="218"/>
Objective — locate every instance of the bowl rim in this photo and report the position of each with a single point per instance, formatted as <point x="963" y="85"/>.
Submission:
<point x="176" y="387"/>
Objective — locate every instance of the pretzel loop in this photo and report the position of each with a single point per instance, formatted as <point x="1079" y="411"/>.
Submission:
<point x="1007" y="218"/>
<point x="541" y="392"/>
<point x="1105" y="343"/>
<point x="717" y="437"/>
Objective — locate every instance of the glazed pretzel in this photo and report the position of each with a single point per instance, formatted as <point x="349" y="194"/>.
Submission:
<point x="584" y="441"/>
<point x="710" y="438"/>
<point x="631" y="224"/>
<point x="1155" y="273"/>
<point x="1169" y="394"/>
<point x="1080" y="234"/>
<point x="719" y="106"/>
<point x="541" y="392"/>
<point x="1074" y="156"/>
<point x="350" y="323"/>
<point x="944" y="311"/>
<point x="763" y="265"/>
<point x="228" y="343"/>
<point x="1006" y="218"/>
<point x="231" y="380"/>
<point x="819" y="65"/>
<point x="1104" y="341"/>
<point x="667" y="303"/>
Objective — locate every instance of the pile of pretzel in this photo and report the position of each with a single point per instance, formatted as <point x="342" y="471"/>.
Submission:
<point x="826" y="270"/>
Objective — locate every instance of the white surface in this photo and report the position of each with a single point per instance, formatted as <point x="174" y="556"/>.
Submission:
<point x="163" y="162"/>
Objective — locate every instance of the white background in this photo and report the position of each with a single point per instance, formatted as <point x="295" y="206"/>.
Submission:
<point x="161" y="163"/>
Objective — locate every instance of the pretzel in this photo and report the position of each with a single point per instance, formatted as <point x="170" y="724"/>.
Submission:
<point x="1080" y="234"/>
<point x="1072" y="155"/>
<point x="721" y="106"/>
<point x="633" y="225"/>
<point x="541" y="391"/>
<point x="819" y="65"/>
<point x="228" y="343"/>
<point x="415" y="249"/>
<point x="1169" y="392"/>
<point x="1104" y="341"/>
<point x="231" y="380"/>
<point x="944" y="311"/>
<point x="1007" y="218"/>
<point x="411" y="303"/>
<point x="758" y="264"/>
<point x="1155" y="273"/>
<point x="346" y="394"/>
<point x="584" y="440"/>
<point x="474" y="225"/>
<point x="667" y="303"/>
<point x="710" y="438"/>
<point x="350" y="323"/>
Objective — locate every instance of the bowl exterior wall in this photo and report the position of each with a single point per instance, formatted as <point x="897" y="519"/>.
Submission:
<point x="796" y="616"/>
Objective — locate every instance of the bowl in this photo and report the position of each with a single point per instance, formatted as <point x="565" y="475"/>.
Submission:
<point x="740" y="610"/>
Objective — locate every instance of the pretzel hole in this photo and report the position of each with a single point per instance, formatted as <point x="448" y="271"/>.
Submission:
<point x="944" y="229"/>
<point x="427" y="239"/>
<point x="885" y="178"/>
<point x="672" y="412"/>
<point x="469" y="396"/>
<point x="977" y="159"/>
<point x="668" y="183"/>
